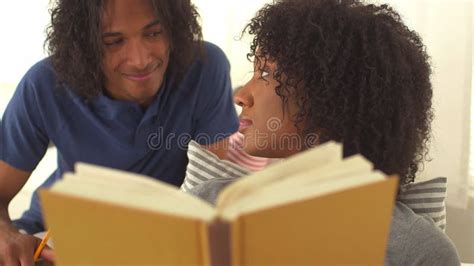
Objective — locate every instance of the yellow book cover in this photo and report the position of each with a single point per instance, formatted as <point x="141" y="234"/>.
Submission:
<point x="295" y="212"/>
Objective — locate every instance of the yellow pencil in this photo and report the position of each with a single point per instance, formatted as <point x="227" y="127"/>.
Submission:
<point x="41" y="246"/>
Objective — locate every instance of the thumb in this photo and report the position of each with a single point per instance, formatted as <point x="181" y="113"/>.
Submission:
<point x="47" y="254"/>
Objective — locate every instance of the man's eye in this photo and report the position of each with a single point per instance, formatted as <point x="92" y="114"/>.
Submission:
<point x="154" y="34"/>
<point x="114" y="42"/>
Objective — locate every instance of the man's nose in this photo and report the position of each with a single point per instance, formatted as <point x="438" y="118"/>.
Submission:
<point x="138" y="54"/>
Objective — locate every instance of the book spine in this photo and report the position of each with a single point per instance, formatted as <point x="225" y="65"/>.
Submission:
<point x="219" y="243"/>
<point x="203" y="229"/>
<point x="236" y="240"/>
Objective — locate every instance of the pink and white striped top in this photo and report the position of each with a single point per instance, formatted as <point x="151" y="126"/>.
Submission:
<point x="237" y="155"/>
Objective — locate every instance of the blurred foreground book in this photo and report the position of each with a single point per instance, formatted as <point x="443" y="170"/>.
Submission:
<point x="312" y="208"/>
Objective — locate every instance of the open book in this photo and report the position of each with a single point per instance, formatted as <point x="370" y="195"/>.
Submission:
<point x="312" y="208"/>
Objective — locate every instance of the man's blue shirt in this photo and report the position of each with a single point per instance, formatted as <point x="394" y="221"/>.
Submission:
<point x="115" y="133"/>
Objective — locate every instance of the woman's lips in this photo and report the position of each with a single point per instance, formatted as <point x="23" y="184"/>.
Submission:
<point x="244" y="123"/>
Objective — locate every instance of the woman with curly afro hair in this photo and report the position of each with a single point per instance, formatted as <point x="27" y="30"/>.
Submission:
<point x="349" y="72"/>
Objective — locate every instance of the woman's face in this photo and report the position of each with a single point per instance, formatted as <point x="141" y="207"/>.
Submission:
<point x="266" y="121"/>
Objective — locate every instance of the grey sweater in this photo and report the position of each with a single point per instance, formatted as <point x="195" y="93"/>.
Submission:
<point x="414" y="239"/>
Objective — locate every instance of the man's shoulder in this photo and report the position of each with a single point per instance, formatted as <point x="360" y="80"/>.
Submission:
<point x="214" y="56"/>
<point x="213" y="50"/>
<point x="41" y="83"/>
<point x="209" y="69"/>
<point x="41" y="70"/>
<point x="41" y="78"/>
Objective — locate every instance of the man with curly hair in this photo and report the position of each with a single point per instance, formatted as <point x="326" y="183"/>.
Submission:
<point x="354" y="73"/>
<point x="128" y="84"/>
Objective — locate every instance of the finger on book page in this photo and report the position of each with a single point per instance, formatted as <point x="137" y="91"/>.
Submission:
<point x="47" y="254"/>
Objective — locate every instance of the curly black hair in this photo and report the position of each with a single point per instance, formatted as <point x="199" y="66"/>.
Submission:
<point x="74" y="40"/>
<point x="358" y="74"/>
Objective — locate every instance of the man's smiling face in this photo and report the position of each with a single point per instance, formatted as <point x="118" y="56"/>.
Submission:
<point x="136" y="51"/>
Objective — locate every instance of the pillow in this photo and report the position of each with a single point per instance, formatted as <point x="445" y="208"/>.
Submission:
<point x="427" y="198"/>
<point x="204" y="165"/>
<point x="424" y="198"/>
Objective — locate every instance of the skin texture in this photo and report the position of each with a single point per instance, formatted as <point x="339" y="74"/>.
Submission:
<point x="137" y="51"/>
<point x="265" y="121"/>
<point x="77" y="30"/>
<point x="15" y="248"/>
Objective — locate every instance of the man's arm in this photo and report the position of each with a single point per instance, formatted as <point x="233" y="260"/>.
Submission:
<point x="15" y="248"/>
<point x="11" y="181"/>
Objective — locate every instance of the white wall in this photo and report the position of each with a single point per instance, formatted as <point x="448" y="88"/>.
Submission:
<point x="446" y="28"/>
<point x="223" y="22"/>
<point x="22" y="25"/>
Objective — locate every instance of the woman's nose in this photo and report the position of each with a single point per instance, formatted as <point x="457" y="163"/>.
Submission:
<point x="243" y="97"/>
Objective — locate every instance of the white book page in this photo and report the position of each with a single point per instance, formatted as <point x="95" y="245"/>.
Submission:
<point x="281" y="195"/>
<point x="302" y="162"/>
<point x="340" y="169"/>
<point x="133" y="190"/>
